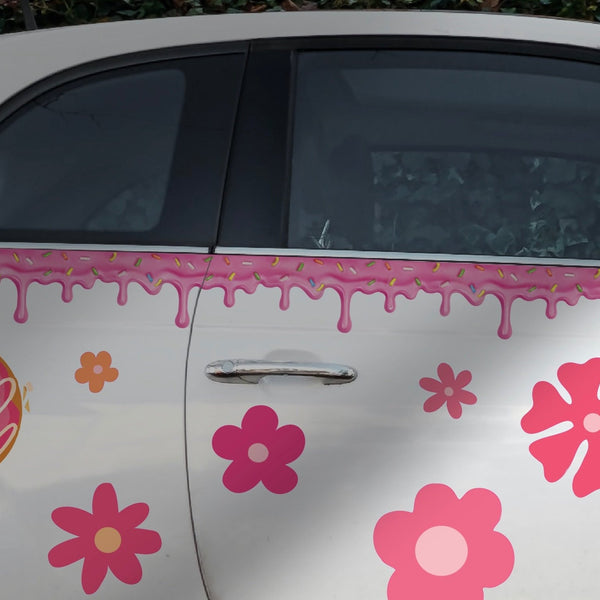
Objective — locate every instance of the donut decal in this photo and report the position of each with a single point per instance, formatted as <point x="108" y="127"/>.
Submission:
<point x="11" y="409"/>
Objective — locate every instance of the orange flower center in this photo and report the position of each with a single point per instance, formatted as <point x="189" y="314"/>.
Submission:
<point x="107" y="540"/>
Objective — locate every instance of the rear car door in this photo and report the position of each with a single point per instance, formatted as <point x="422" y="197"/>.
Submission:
<point x="110" y="181"/>
<point x="394" y="370"/>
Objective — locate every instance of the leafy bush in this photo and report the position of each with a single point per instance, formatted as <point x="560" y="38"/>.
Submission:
<point x="54" y="13"/>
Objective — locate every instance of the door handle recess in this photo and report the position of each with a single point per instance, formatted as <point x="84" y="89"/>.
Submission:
<point x="252" y="371"/>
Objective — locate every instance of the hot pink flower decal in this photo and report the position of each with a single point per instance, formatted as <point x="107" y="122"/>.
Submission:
<point x="446" y="548"/>
<point x="556" y="452"/>
<point x="106" y="538"/>
<point x="259" y="451"/>
<point x="448" y="390"/>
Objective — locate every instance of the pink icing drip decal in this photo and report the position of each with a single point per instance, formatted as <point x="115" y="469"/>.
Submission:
<point x="391" y="278"/>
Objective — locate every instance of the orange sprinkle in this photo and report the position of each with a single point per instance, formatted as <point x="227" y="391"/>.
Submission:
<point x="480" y="268"/>
<point x="156" y="256"/>
<point x="387" y="266"/>
<point x="549" y="272"/>
<point x="64" y="255"/>
<point x="226" y="259"/>
<point x="319" y="261"/>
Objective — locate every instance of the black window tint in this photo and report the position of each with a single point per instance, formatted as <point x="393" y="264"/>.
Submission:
<point x="107" y="158"/>
<point x="447" y="152"/>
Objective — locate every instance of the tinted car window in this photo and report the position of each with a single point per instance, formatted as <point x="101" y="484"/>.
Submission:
<point x="448" y="152"/>
<point x="101" y="158"/>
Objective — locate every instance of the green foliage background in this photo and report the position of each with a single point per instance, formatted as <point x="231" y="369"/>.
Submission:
<point x="54" y="13"/>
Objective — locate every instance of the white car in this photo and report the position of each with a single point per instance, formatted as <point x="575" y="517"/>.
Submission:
<point x="301" y="306"/>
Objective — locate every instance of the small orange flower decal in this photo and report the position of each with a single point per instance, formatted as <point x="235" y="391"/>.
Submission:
<point x="96" y="370"/>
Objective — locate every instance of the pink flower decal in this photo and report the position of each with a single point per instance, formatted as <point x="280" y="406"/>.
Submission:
<point x="556" y="452"/>
<point x="106" y="538"/>
<point x="448" y="390"/>
<point x="446" y="548"/>
<point x="260" y="452"/>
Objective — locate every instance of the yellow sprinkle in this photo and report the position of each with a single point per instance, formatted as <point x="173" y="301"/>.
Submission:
<point x="501" y="273"/>
<point x="275" y="261"/>
<point x="321" y="287"/>
<point x="69" y="270"/>
<point x="481" y="293"/>
<point x="339" y="266"/>
<point x="16" y="256"/>
<point x="177" y="262"/>
<point x="113" y="257"/>
<point x="158" y="283"/>
<point x="553" y="288"/>
<point x="597" y="274"/>
<point x="437" y="267"/>
<point x="231" y="276"/>
<point x="392" y="281"/>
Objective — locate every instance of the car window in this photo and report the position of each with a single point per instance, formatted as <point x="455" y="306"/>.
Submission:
<point x="447" y="152"/>
<point x="101" y="158"/>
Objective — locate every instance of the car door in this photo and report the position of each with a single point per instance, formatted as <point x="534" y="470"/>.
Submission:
<point x="393" y="374"/>
<point x="110" y="181"/>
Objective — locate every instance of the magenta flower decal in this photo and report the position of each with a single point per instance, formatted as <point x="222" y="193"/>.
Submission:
<point x="446" y="548"/>
<point x="260" y="452"/>
<point x="106" y="538"/>
<point x="448" y="390"/>
<point x="556" y="452"/>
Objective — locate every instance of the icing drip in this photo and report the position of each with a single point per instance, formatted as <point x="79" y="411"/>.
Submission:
<point x="391" y="278"/>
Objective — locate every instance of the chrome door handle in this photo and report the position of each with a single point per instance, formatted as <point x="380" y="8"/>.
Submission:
<point x="252" y="371"/>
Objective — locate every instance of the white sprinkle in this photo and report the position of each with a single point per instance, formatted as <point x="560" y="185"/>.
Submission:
<point x="191" y="266"/>
<point x="28" y="260"/>
<point x="122" y="273"/>
<point x="246" y="262"/>
<point x="514" y="277"/>
<point x="285" y="278"/>
<point x="408" y="268"/>
<point x="445" y="284"/>
<point x="569" y="274"/>
<point x="353" y="270"/>
<point x="84" y="258"/>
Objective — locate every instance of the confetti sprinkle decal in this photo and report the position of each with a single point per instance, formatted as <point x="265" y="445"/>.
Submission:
<point x="345" y="276"/>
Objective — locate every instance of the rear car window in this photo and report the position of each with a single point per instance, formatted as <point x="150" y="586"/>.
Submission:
<point x="105" y="158"/>
<point x="449" y="152"/>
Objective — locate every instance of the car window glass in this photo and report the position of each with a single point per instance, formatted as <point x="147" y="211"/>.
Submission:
<point x="446" y="152"/>
<point x="133" y="155"/>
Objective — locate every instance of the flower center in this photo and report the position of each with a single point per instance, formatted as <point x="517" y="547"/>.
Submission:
<point x="97" y="369"/>
<point x="441" y="550"/>
<point x="591" y="422"/>
<point x="107" y="540"/>
<point x="448" y="391"/>
<point x="258" y="453"/>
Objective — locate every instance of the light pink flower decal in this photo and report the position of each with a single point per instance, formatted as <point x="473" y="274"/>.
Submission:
<point x="448" y="390"/>
<point x="106" y="538"/>
<point x="556" y="452"/>
<point x="260" y="452"/>
<point x="446" y="548"/>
